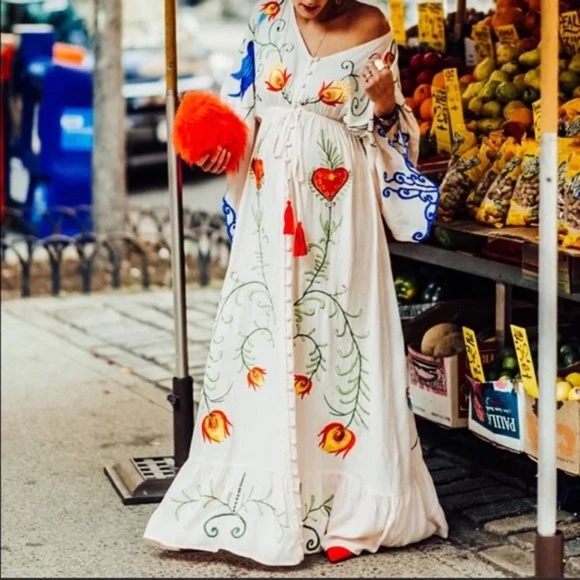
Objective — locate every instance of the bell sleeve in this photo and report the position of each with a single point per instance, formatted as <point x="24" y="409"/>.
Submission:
<point x="239" y="92"/>
<point x="408" y="200"/>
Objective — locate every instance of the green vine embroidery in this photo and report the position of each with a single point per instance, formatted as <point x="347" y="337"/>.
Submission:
<point x="353" y="392"/>
<point x="312" y="513"/>
<point x="234" y="508"/>
<point x="245" y="292"/>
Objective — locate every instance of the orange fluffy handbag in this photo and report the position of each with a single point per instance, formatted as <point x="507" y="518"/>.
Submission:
<point x="203" y="123"/>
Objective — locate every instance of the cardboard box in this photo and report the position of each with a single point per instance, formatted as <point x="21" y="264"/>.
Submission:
<point x="568" y="434"/>
<point x="438" y="387"/>
<point x="497" y="413"/>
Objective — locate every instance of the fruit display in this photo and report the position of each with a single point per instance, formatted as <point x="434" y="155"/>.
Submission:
<point x="567" y="384"/>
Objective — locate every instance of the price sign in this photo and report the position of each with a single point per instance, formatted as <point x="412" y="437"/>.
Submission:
<point x="441" y="128"/>
<point x="524" y="356"/>
<point x="481" y="36"/>
<point x="507" y="34"/>
<point x="397" y="17"/>
<point x="432" y="25"/>
<point x="454" y="103"/>
<point x="570" y="31"/>
<point x="537" y="110"/>
<point x="473" y="356"/>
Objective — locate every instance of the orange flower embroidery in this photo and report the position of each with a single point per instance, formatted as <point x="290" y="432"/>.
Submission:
<point x="278" y="78"/>
<point x="270" y="10"/>
<point x="302" y="385"/>
<point x="258" y="171"/>
<point x="215" y="427"/>
<point x="256" y="377"/>
<point x="335" y="93"/>
<point x="337" y="439"/>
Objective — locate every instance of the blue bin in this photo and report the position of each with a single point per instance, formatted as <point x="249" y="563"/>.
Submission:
<point x="65" y="123"/>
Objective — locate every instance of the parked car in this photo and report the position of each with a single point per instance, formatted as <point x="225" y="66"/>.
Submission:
<point x="143" y="61"/>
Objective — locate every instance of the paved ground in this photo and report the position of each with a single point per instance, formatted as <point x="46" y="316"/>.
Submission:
<point x="84" y="381"/>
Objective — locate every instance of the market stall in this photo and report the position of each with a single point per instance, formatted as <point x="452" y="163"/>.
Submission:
<point x="500" y="131"/>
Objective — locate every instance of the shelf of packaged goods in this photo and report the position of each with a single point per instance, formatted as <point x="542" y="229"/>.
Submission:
<point x="507" y="274"/>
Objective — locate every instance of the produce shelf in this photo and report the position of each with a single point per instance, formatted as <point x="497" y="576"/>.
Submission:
<point x="463" y="262"/>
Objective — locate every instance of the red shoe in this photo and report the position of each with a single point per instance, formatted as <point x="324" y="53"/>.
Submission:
<point x="337" y="554"/>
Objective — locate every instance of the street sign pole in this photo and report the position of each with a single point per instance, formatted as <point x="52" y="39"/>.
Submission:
<point x="146" y="479"/>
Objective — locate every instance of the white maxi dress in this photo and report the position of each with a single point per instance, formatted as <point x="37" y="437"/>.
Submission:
<point x="305" y="438"/>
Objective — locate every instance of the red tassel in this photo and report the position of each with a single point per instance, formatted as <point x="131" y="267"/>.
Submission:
<point x="289" y="220"/>
<point x="300" y="248"/>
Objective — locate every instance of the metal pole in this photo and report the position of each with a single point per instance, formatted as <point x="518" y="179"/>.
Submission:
<point x="182" y="395"/>
<point x="549" y="550"/>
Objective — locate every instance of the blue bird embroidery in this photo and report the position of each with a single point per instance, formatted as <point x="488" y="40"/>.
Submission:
<point x="246" y="75"/>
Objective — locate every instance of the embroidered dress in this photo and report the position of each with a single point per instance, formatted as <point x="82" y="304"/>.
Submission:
<point x="305" y="438"/>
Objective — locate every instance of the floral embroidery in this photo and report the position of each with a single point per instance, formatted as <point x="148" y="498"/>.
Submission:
<point x="278" y="78"/>
<point x="335" y="93"/>
<point x="235" y="509"/>
<point x="269" y="10"/>
<point x="336" y="439"/>
<point x="256" y="377"/>
<point x="312" y="512"/>
<point x="215" y="427"/>
<point x="257" y="166"/>
<point x="302" y="385"/>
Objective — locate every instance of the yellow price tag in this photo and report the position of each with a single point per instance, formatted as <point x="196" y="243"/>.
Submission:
<point x="507" y="34"/>
<point x="441" y="128"/>
<point x="454" y="103"/>
<point x="432" y="25"/>
<point x="570" y="31"/>
<point x="481" y="36"/>
<point x="524" y="356"/>
<point x="397" y="18"/>
<point x="472" y="354"/>
<point x="537" y="110"/>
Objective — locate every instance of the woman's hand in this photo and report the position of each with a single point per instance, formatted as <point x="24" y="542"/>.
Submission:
<point x="215" y="163"/>
<point x="379" y="85"/>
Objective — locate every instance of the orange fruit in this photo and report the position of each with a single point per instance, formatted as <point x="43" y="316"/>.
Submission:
<point x="523" y="116"/>
<point x="413" y="105"/>
<point x="421" y="93"/>
<point x="426" y="110"/>
<point x="425" y="128"/>
<point x="438" y="81"/>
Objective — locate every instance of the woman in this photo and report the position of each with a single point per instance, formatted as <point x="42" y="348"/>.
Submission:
<point x="304" y="439"/>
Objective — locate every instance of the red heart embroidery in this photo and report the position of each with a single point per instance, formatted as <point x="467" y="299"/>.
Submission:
<point x="328" y="182"/>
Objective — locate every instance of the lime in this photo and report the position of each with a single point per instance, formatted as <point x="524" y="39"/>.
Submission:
<point x="510" y="363"/>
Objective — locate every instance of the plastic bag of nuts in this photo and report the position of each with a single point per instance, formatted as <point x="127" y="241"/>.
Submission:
<point x="565" y="150"/>
<point x="525" y="201"/>
<point x="460" y="180"/>
<point x="497" y="163"/>
<point x="572" y="201"/>
<point x="496" y="203"/>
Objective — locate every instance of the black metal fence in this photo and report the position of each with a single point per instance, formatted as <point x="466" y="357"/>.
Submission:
<point x="87" y="261"/>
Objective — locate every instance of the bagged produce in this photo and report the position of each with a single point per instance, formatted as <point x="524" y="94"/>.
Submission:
<point x="525" y="202"/>
<point x="495" y="205"/>
<point x="565" y="148"/>
<point x="497" y="162"/>
<point x="572" y="201"/>
<point x="569" y="124"/>
<point x="460" y="181"/>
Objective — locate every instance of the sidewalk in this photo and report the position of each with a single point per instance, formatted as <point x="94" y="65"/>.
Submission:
<point x="84" y="381"/>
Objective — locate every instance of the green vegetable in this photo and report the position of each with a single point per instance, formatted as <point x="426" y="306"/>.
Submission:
<point x="510" y="364"/>
<point x="406" y="288"/>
